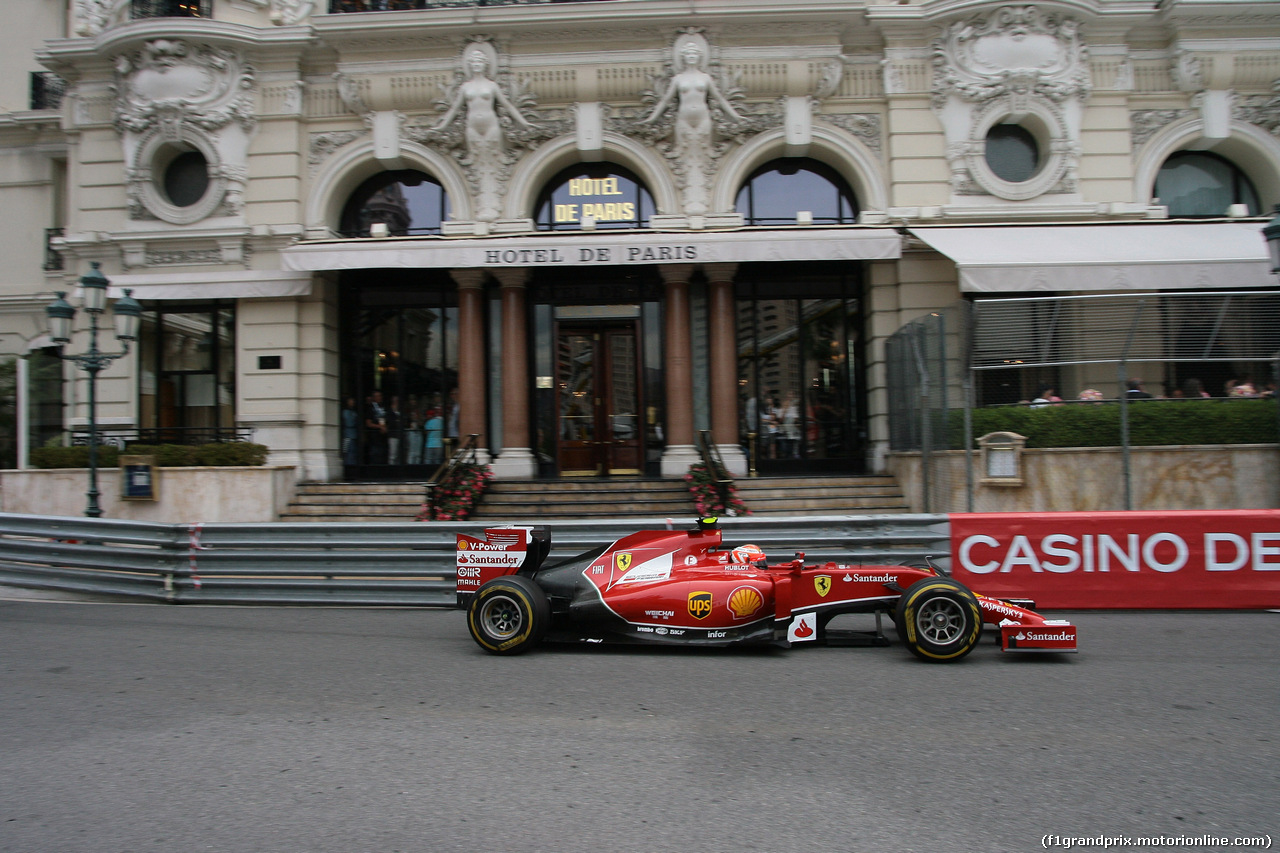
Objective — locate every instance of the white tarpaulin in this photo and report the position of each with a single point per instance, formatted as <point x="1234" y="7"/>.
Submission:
<point x="1068" y="258"/>
<point x="612" y="248"/>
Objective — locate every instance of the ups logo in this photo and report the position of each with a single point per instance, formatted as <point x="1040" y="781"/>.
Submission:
<point x="699" y="605"/>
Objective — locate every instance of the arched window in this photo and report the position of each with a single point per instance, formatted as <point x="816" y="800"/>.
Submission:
<point x="1200" y="184"/>
<point x="780" y="189"/>
<point x="408" y="202"/>
<point x="593" y="195"/>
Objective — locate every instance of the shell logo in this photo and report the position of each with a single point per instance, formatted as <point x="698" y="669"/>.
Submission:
<point x="462" y="545"/>
<point x="745" y="601"/>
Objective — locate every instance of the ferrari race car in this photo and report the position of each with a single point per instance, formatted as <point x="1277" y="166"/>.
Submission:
<point x="678" y="587"/>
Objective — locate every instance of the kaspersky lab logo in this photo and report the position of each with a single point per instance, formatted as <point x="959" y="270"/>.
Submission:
<point x="699" y="605"/>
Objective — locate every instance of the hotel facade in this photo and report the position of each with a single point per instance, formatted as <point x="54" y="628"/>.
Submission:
<point x="587" y="232"/>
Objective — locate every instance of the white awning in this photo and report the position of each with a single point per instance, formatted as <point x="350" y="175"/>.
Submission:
<point x="240" y="284"/>
<point x="1176" y="255"/>
<point x="600" y="249"/>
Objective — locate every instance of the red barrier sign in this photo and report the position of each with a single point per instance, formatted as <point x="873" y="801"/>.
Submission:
<point x="1162" y="560"/>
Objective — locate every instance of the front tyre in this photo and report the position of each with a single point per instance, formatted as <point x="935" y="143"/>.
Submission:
<point x="508" y="615"/>
<point x="939" y="620"/>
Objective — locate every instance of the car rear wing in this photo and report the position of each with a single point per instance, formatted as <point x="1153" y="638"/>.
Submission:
<point x="502" y="551"/>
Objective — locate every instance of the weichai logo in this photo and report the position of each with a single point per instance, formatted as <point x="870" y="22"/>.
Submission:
<point x="699" y="605"/>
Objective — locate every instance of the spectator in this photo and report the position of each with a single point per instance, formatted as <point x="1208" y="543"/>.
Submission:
<point x="1134" y="390"/>
<point x="1045" y="396"/>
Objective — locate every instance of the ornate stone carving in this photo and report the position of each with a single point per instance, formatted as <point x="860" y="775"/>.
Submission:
<point x="694" y="113"/>
<point x="172" y="97"/>
<point x="1143" y="124"/>
<point x="867" y="127"/>
<point x="323" y="145"/>
<point x="287" y="12"/>
<point x="1018" y="65"/>
<point x="486" y="115"/>
<point x="1187" y="71"/>
<point x="1018" y="51"/>
<point x="1260" y="110"/>
<point x="170" y="80"/>
<point x="94" y="16"/>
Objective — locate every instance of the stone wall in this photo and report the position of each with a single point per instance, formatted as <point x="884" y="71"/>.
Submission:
<point x="183" y="495"/>
<point x="1082" y="479"/>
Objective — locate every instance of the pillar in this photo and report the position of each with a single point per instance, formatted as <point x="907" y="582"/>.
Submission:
<point x="722" y="339"/>
<point x="472" y="409"/>
<point x="680" y="451"/>
<point x="516" y="460"/>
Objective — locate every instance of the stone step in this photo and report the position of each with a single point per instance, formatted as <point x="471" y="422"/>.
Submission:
<point x="530" y="500"/>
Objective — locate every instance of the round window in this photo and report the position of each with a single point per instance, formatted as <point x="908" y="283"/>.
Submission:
<point x="1012" y="153"/>
<point x="186" y="179"/>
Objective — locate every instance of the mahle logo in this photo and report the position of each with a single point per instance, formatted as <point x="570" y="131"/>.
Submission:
<point x="699" y="605"/>
<point x="623" y="561"/>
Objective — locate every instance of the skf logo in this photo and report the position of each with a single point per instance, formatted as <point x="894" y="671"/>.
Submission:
<point x="623" y="561"/>
<point x="822" y="583"/>
<point x="699" y="605"/>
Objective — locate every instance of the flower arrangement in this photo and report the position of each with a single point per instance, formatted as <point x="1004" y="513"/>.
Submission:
<point x="706" y="495"/>
<point x="1090" y="395"/>
<point x="456" y="496"/>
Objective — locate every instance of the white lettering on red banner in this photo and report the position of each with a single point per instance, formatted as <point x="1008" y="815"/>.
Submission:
<point x="1122" y="559"/>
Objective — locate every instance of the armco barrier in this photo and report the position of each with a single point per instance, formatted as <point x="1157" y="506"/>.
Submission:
<point x="369" y="564"/>
<point x="1161" y="560"/>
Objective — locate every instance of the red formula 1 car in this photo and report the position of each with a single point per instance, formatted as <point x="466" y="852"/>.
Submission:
<point x="676" y="587"/>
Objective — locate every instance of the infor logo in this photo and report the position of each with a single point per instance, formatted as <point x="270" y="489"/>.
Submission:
<point x="699" y="605"/>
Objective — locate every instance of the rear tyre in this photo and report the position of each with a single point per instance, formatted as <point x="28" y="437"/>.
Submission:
<point x="939" y="620"/>
<point x="508" y="615"/>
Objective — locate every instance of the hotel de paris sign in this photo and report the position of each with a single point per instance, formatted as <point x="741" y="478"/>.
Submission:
<point x="607" y="248"/>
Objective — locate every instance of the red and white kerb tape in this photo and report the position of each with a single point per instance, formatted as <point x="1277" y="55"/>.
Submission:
<point x="193" y="545"/>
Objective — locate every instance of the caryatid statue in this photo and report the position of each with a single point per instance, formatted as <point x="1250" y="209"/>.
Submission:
<point x="485" y="130"/>
<point x="697" y="97"/>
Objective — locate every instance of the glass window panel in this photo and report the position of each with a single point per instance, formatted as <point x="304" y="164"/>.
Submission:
<point x="1012" y="153"/>
<point x="612" y="197"/>
<point x="407" y="201"/>
<point x="1197" y="184"/>
<point x="780" y="189"/>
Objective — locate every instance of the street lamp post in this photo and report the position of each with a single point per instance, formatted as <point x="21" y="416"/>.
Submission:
<point x="128" y="315"/>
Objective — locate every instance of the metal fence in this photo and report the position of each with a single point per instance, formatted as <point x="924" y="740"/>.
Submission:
<point x="410" y="564"/>
<point x="1031" y="352"/>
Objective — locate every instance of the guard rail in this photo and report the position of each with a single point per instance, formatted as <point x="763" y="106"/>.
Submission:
<point x="403" y="564"/>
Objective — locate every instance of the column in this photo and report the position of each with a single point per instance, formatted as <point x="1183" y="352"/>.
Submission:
<point x="722" y="337"/>
<point x="680" y="451"/>
<point x="472" y="410"/>
<point x="516" y="460"/>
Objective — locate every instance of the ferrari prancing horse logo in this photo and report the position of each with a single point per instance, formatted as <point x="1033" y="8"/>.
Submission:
<point x="623" y="561"/>
<point x="822" y="583"/>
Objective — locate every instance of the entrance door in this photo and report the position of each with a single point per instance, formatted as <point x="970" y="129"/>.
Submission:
<point x="598" y="401"/>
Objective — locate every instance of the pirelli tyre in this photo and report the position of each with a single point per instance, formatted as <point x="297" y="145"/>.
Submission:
<point x="939" y="620"/>
<point x="508" y="615"/>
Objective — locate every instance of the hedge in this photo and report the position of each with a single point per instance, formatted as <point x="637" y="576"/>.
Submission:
<point x="1151" y="422"/>
<point x="219" y="453"/>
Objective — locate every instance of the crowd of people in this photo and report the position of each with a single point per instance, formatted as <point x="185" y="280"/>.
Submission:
<point x="1190" y="389"/>
<point x="393" y="435"/>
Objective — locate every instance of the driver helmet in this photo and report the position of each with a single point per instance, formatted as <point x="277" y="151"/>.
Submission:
<point x="747" y="554"/>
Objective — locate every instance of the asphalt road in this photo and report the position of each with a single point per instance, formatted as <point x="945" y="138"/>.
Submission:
<point x="147" y="728"/>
